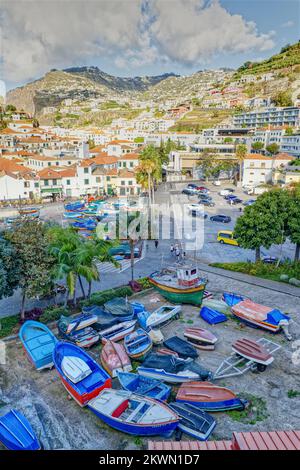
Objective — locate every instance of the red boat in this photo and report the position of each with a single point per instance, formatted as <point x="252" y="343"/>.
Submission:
<point x="114" y="358"/>
<point x="209" y="397"/>
<point x="201" y="338"/>
<point x="252" y="350"/>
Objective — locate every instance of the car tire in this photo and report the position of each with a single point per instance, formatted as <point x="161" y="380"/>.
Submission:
<point x="222" y="242"/>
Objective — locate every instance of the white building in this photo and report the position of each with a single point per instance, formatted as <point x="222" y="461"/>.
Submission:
<point x="259" y="169"/>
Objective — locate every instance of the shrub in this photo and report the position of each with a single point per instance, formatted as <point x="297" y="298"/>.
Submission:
<point x="8" y="325"/>
<point x="53" y="313"/>
<point x="144" y="282"/>
<point x="33" y="314"/>
<point x="100" y="298"/>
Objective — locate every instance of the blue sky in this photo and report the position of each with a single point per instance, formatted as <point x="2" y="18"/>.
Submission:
<point x="141" y="37"/>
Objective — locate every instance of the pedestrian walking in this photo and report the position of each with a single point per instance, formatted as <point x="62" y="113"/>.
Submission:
<point x="172" y="250"/>
<point x="177" y="253"/>
<point x="156" y="243"/>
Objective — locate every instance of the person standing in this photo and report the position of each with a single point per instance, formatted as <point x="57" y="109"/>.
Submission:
<point x="177" y="253"/>
<point x="172" y="250"/>
<point x="156" y="243"/>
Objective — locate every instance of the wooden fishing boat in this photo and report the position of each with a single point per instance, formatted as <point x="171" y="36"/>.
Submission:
<point x="181" y="347"/>
<point x="209" y="397"/>
<point x="74" y="206"/>
<point x="73" y="215"/>
<point x="117" y="332"/>
<point x="120" y="308"/>
<point x="252" y="350"/>
<point x="172" y="369"/>
<point x="104" y="319"/>
<point x="193" y="421"/>
<point x="218" y="305"/>
<point x="260" y="316"/>
<point x="134" y="414"/>
<point x="29" y="211"/>
<point x="138" y="344"/>
<point x="69" y="325"/>
<point x="39" y="343"/>
<point x="180" y="285"/>
<point x="232" y="299"/>
<point x="80" y="374"/>
<point x="201" y="338"/>
<point x="114" y="358"/>
<point x="84" y="338"/>
<point x="16" y="432"/>
<point x="159" y="317"/>
<point x="144" y="386"/>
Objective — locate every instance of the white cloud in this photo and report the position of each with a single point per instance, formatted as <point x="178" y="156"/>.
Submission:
<point x="288" y="24"/>
<point x="41" y="34"/>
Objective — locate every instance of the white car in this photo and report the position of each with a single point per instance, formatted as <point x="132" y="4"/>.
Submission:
<point x="224" y="192"/>
<point x="217" y="183"/>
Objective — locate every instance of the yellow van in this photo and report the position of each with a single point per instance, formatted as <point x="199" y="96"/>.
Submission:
<point x="226" y="236"/>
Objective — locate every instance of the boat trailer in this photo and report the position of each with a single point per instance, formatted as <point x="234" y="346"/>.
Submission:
<point x="236" y="364"/>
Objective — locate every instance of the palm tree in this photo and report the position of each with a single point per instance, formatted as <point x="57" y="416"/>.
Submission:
<point x="151" y="165"/>
<point x="240" y="153"/>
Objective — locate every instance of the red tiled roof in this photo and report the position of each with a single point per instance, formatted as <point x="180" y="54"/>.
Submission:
<point x="68" y="173"/>
<point x="12" y="167"/>
<point x="104" y="159"/>
<point x="129" y="156"/>
<point x="48" y="173"/>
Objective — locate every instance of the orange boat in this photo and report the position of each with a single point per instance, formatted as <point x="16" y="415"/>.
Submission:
<point x="209" y="397"/>
<point x="114" y="358"/>
<point x="201" y="338"/>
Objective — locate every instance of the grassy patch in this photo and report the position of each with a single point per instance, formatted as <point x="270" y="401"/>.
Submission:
<point x="254" y="412"/>
<point x="9" y="325"/>
<point x="265" y="271"/>
<point x="293" y="393"/>
<point x="198" y="119"/>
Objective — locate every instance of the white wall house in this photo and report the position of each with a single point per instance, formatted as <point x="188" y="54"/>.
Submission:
<point x="259" y="169"/>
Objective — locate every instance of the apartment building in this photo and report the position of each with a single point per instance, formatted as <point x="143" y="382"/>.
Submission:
<point x="289" y="116"/>
<point x="260" y="169"/>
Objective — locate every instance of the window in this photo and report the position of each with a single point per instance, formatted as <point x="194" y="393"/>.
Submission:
<point x="36" y="185"/>
<point x="86" y="170"/>
<point x="130" y="183"/>
<point x="131" y="164"/>
<point x="263" y="165"/>
<point x="68" y="182"/>
<point x="98" y="179"/>
<point x="57" y="163"/>
<point x="86" y="181"/>
<point x="123" y="183"/>
<point x="251" y="164"/>
<point x="49" y="163"/>
<point x="54" y="182"/>
<point x="124" y="164"/>
<point x="46" y="182"/>
<point x="26" y="184"/>
<point x="108" y="178"/>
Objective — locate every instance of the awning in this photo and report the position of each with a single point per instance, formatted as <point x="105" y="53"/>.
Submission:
<point x="51" y="190"/>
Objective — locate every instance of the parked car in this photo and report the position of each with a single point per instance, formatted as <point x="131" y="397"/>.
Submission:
<point x="188" y="191"/>
<point x="192" y="186"/>
<point x="207" y="202"/>
<point x="230" y="196"/>
<point x="225" y="219"/>
<point x="199" y="213"/>
<point x="202" y="197"/>
<point x="231" y="190"/>
<point x="224" y="192"/>
<point x="234" y="201"/>
<point x="226" y="236"/>
<point x="217" y="183"/>
<point x="249" y="202"/>
<point x="202" y="188"/>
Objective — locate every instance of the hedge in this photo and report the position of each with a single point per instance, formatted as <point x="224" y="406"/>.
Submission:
<point x="100" y="298"/>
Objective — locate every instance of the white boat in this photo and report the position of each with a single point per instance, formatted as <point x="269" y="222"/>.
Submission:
<point x="134" y="414"/>
<point x="162" y="315"/>
<point x="117" y="332"/>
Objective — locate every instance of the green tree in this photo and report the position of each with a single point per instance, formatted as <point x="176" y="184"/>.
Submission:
<point x="283" y="98"/>
<point x="289" y="131"/>
<point x="263" y="223"/>
<point x="272" y="148"/>
<point x="257" y="146"/>
<point x="30" y="244"/>
<point x="240" y="153"/>
<point x="9" y="268"/>
<point x="10" y="108"/>
<point x="293" y="221"/>
<point x="150" y="169"/>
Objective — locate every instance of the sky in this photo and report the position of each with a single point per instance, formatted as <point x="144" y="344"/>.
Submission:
<point x="140" y="37"/>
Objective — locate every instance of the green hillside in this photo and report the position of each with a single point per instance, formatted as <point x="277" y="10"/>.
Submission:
<point x="288" y="57"/>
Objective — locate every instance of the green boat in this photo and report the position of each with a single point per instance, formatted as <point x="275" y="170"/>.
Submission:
<point x="181" y="284"/>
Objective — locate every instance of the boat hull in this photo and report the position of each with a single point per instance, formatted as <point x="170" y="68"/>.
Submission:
<point x="226" y="405"/>
<point x="190" y="295"/>
<point x="83" y="400"/>
<point x="164" y="376"/>
<point x="16" y="432"/>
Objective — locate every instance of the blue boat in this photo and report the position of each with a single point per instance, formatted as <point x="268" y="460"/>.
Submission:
<point x="88" y="224"/>
<point x="16" y="432"/>
<point x="232" y="299"/>
<point x="39" y="343"/>
<point x="212" y="316"/>
<point x="137" y="307"/>
<point x="193" y="421"/>
<point x="138" y="344"/>
<point x="74" y="206"/>
<point x="144" y="386"/>
<point x="121" y="308"/>
<point x="134" y="414"/>
<point x="80" y="374"/>
<point x="73" y="215"/>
